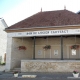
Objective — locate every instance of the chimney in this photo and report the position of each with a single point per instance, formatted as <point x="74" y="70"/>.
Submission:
<point x="41" y="9"/>
<point x="64" y="7"/>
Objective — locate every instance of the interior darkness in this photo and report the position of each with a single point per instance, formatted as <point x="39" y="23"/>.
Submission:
<point x="64" y="36"/>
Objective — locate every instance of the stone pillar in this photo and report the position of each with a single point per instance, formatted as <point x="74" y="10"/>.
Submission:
<point x="8" y="54"/>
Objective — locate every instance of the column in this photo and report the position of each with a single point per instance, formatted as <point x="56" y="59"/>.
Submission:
<point x="61" y="47"/>
<point x="8" y="54"/>
<point x="34" y="49"/>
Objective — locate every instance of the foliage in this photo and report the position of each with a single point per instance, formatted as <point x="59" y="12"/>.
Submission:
<point x="2" y="63"/>
<point x="15" y="72"/>
<point x="75" y="72"/>
<point x="22" y="48"/>
<point x="74" y="46"/>
<point x="47" y="47"/>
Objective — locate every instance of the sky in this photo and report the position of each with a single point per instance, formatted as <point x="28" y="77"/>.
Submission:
<point x="13" y="11"/>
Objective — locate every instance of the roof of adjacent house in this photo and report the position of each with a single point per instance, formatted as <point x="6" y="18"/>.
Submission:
<point x="48" y="19"/>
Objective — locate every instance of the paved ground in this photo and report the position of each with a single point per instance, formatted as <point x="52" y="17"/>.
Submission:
<point x="40" y="76"/>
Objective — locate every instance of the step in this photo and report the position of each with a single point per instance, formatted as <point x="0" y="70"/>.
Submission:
<point x="16" y="69"/>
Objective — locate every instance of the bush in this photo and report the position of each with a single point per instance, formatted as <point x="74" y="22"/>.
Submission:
<point x="2" y="63"/>
<point x="15" y="72"/>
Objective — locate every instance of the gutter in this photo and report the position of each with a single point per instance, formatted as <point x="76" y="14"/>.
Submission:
<point x="43" y="27"/>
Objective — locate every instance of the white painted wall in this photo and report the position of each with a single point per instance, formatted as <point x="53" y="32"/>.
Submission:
<point x="8" y="55"/>
<point x="3" y="38"/>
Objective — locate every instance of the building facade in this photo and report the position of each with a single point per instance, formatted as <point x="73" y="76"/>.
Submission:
<point x="3" y="40"/>
<point x="45" y="42"/>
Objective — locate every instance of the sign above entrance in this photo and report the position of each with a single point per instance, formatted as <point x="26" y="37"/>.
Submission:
<point x="45" y="33"/>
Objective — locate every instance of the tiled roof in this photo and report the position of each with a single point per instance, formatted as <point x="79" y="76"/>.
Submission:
<point x="49" y="18"/>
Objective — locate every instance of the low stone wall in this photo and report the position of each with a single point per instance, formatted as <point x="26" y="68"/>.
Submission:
<point x="50" y="65"/>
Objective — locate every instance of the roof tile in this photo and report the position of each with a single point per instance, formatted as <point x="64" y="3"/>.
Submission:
<point x="49" y="18"/>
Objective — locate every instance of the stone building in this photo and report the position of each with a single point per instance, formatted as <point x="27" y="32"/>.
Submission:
<point x="45" y="42"/>
<point x="3" y="39"/>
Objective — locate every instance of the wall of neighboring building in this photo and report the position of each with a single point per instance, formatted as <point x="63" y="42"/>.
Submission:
<point x="3" y="39"/>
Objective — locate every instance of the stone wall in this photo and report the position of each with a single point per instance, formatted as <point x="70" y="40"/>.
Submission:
<point x="49" y="66"/>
